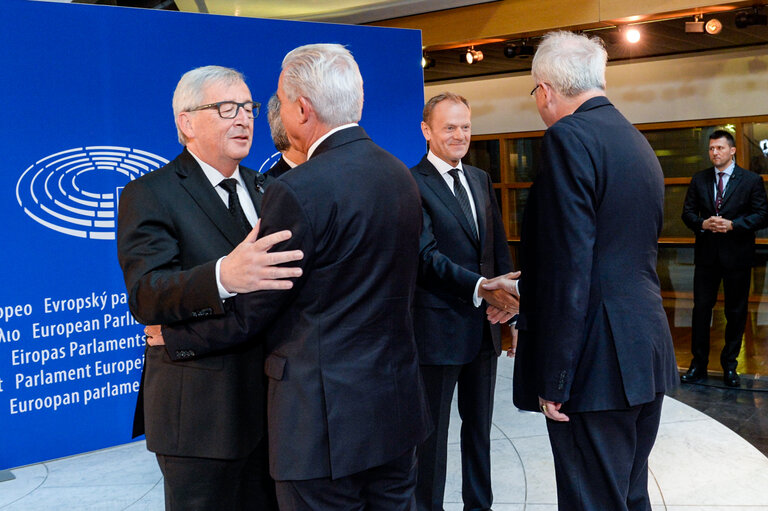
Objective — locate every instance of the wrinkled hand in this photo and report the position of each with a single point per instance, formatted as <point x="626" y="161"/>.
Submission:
<point x="251" y="267"/>
<point x="552" y="410"/>
<point x="496" y="315"/>
<point x="501" y="293"/>
<point x="154" y="334"/>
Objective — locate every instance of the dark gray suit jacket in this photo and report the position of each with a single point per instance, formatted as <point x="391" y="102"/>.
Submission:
<point x="593" y="332"/>
<point x="345" y="392"/>
<point x="172" y="227"/>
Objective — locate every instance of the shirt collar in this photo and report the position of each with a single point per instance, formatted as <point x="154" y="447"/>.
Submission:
<point x="213" y="175"/>
<point x="728" y="170"/>
<point x="442" y="166"/>
<point x="331" y="132"/>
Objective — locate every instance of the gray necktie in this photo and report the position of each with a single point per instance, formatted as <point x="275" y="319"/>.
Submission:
<point x="463" y="198"/>
<point x="235" y="208"/>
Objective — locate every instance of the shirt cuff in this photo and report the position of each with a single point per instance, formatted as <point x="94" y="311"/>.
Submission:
<point x="476" y="297"/>
<point x="223" y="293"/>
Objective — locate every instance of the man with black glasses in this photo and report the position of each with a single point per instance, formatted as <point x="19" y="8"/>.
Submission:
<point x="185" y="244"/>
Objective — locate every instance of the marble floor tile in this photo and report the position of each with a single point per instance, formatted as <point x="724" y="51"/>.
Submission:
<point x="698" y="464"/>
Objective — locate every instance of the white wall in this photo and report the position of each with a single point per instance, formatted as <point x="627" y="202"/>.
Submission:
<point x="723" y="84"/>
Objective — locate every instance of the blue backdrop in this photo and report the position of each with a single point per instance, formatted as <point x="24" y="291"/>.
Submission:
<point x="86" y="95"/>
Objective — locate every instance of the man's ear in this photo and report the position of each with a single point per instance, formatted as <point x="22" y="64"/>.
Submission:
<point x="426" y="131"/>
<point x="305" y="109"/>
<point x="185" y="125"/>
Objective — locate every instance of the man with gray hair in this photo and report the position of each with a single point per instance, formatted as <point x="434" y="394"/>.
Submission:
<point x="346" y="405"/>
<point x="594" y="352"/>
<point x="289" y="156"/>
<point x="203" y="418"/>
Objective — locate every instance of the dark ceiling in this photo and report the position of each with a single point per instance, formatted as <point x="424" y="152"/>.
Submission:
<point x="659" y="38"/>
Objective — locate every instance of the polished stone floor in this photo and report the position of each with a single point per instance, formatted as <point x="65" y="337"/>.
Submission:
<point x="698" y="464"/>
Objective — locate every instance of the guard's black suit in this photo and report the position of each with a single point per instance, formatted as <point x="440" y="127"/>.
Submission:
<point x="593" y="332"/>
<point x="456" y="342"/>
<point x="345" y="394"/>
<point x="726" y="257"/>
<point x="172" y="228"/>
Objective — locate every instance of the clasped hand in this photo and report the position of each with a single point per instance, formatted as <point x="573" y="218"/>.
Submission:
<point x="501" y="294"/>
<point x="717" y="224"/>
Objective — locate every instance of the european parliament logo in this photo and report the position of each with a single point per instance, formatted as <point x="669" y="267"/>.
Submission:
<point x="75" y="192"/>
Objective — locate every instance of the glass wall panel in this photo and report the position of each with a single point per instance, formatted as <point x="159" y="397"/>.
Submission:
<point x="674" y="197"/>
<point x="682" y="151"/>
<point x="518" y="198"/>
<point x="675" y="268"/>
<point x="523" y="155"/>
<point x="484" y="154"/>
<point x="756" y="146"/>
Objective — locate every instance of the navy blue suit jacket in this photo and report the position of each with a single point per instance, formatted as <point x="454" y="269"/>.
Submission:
<point x="593" y="332"/>
<point x="449" y="328"/>
<point x="744" y="203"/>
<point x="345" y="391"/>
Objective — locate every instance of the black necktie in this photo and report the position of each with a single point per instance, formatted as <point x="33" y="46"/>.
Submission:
<point x="719" y="197"/>
<point x="235" y="209"/>
<point x="463" y="198"/>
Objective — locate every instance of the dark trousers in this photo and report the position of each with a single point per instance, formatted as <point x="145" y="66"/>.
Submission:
<point x="388" y="487"/>
<point x="205" y="484"/>
<point x="706" y="281"/>
<point x="476" y="382"/>
<point x="601" y="458"/>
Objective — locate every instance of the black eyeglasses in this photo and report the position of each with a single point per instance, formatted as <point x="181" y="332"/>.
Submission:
<point x="230" y="109"/>
<point x="534" y="89"/>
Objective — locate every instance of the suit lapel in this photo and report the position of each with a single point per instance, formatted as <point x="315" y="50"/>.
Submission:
<point x="193" y="180"/>
<point x="709" y="184"/>
<point x="478" y="195"/>
<point x="733" y="182"/>
<point x="438" y="185"/>
<point x="255" y="184"/>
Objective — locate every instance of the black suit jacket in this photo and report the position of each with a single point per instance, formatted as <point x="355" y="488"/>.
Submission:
<point x="345" y="392"/>
<point x="449" y="328"/>
<point x="593" y="332"/>
<point x="279" y="168"/>
<point x="172" y="227"/>
<point x="744" y="203"/>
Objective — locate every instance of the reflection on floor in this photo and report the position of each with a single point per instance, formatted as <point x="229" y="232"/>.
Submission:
<point x="697" y="464"/>
<point x="753" y="359"/>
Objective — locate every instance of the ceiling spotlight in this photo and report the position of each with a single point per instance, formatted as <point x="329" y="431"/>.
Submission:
<point x="632" y="35"/>
<point x="713" y="26"/>
<point x="748" y="19"/>
<point x="427" y="62"/>
<point x="695" y="26"/>
<point x="521" y="51"/>
<point x="472" y="56"/>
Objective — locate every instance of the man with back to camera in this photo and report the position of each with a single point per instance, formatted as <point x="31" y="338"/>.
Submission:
<point x="289" y="156"/>
<point x="594" y="351"/>
<point x="462" y="242"/>
<point x="724" y="207"/>
<point x="346" y="405"/>
<point x="203" y="418"/>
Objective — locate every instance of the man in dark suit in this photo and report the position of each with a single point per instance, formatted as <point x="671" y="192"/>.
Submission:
<point x="462" y="242"/>
<point x="724" y="207"/>
<point x="289" y="156"/>
<point x="202" y="418"/>
<point x="346" y="405"/>
<point x="594" y="353"/>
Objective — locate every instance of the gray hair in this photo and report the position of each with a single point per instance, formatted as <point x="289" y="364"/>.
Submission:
<point x="570" y="63"/>
<point x="190" y="90"/>
<point x="328" y="77"/>
<point x="276" y="128"/>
